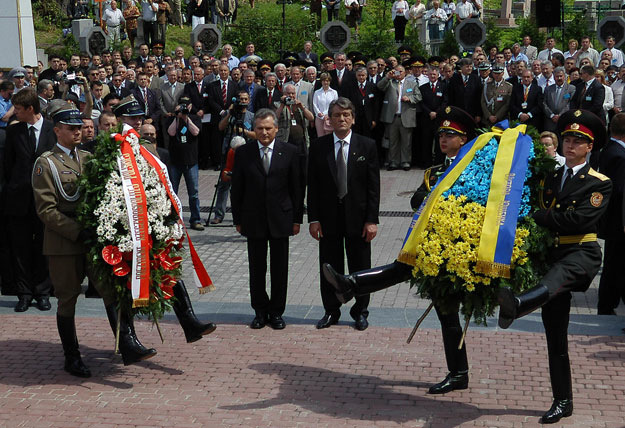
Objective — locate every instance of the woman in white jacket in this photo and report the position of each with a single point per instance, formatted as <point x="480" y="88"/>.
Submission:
<point x="321" y="102"/>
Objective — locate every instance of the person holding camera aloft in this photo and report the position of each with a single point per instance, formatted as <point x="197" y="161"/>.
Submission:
<point x="183" y="141"/>
<point x="292" y="116"/>
<point x="237" y="122"/>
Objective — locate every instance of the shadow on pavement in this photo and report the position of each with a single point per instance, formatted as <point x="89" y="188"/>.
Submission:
<point x="370" y="398"/>
<point x="32" y="362"/>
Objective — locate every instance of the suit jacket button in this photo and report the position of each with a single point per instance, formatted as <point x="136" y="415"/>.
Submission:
<point x="557" y="205"/>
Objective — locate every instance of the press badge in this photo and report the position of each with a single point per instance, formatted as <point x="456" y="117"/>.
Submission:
<point x="439" y="94"/>
<point x="293" y="122"/>
<point x="523" y="105"/>
<point x="588" y="98"/>
<point x="304" y="92"/>
<point x="566" y="96"/>
<point x="499" y="98"/>
<point x="409" y="90"/>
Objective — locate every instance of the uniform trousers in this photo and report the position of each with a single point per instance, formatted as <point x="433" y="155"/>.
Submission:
<point x="452" y="333"/>
<point x="67" y="273"/>
<point x="400" y="150"/>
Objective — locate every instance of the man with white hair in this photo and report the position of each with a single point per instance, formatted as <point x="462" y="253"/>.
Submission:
<point x="546" y="78"/>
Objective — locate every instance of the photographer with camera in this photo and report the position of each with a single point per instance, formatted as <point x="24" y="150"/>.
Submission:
<point x="183" y="151"/>
<point x="75" y="88"/>
<point x="237" y="122"/>
<point x="292" y="116"/>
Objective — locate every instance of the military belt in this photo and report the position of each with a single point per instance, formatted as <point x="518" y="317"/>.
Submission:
<point x="575" y="239"/>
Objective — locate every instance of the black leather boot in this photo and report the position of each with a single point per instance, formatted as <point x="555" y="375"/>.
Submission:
<point x="131" y="349"/>
<point x="192" y="327"/>
<point x="562" y="385"/>
<point x="512" y="307"/>
<point x="451" y="382"/>
<point x="366" y="281"/>
<point x="73" y="362"/>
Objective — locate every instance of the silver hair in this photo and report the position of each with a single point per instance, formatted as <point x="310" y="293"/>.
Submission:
<point x="264" y="113"/>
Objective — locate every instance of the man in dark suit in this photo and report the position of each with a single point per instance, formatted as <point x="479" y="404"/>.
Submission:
<point x="25" y="141"/>
<point x="270" y="97"/>
<point x="589" y="93"/>
<point x="197" y="91"/>
<point x="267" y="208"/>
<point x="116" y="86"/>
<point x="308" y="55"/>
<point x="465" y="90"/>
<point x="556" y="99"/>
<point x="526" y="102"/>
<point x="364" y="96"/>
<point x="343" y="205"/>
<point x="434" y="99"/>
<point x="220" y="94"/>
<point x="147" y="99"/>
<point x="612" y="164"/>
<point x="342" y="78"/>
<point x="575" y="198"/>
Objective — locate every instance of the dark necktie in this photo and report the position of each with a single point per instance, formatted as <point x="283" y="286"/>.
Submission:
<point x="224" y="92"/>
<point x="270" y="97"/>
<point x="32" y="138"/>
<point x="341" y="171"/>
<point x="569" y="175"/>
<point x="447" y="161"/>
<point x="72" y="154"/>
<point x="362" y="89"/>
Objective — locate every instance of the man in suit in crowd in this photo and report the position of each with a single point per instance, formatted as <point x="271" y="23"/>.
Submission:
<point x="170" y="93"/>
<point x="434" y="99"/>
<point x="25" y="141"/>
<point x="220" y="94"/>
<point x="612" y="164"/>
<point x="399" y="113"/>
<point x="267" y="208"/>
<point x="343" y="205"/>
<point x="342" y="78"/>
<point x="531" y="52"/>
<point x="556" y="99"/>
<point x="197" y="91"/>
<point x="465" y="90"/>
<point x="155" y="82"/>
<point x="590" y="93"/>
<point x="147" y="99"/>
<point x="116" y="86"/>
<point x="526" y="103"/>
<point x="308" y="55"/>
<point x="495" y="98"/>
<point x="304" y="89"/>
<point x="270" y="97"/>
<point x="251" y="87"/>
<point x="367" y="104"/>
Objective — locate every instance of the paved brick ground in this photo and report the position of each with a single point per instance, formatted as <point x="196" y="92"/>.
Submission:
<point x="297" y="377"/>
<point x="301" y="376"/>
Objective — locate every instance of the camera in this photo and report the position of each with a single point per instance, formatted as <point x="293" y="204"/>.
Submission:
<point x="238" y="105"/>
<point x="289" y="101"/>
<point x="70" y="79"/>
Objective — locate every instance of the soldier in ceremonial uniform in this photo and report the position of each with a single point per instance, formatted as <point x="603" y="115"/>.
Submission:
<point x="573" y="200"/>
<point x="496" y="97"/>
<point x="455" y="129"/>
<point x="55" y="178"/>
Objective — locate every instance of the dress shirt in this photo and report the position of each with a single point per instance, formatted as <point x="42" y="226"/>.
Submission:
<point x="37" y="126"/>
<point x="322" y="100"/>
<point x="464" y="10"/>
<point x="113" y="17"/>
<point x="543" y="82"/>
<point x="544" y="54"/>
<point x="233" y="61"/>
<point x="261" y="148"/>
<point x="520" y="57"/>
<point x="400" y="90"/>
<point x="617" y="56"/>
<point x="575" y="169"/>
<point x="337" y="145"/>
<point x="5" y="105"/>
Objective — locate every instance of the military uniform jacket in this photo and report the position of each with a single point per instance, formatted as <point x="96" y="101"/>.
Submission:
<point x="57" y="208"/>
<point x="430" y="177"/>
<point x="574" y="210"/>
<point x="495" y="101"/>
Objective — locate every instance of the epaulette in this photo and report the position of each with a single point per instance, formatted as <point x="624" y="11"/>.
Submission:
<point x="598" y="175"/>
<point x="46" y="154"/>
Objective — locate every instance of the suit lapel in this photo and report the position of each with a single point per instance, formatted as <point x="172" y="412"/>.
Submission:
<point x="331" y="158"/>
<point x="573" y="183"/>
<point x="354" y="147"/>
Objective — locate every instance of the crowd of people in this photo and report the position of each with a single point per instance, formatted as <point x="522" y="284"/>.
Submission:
<point x="296" y="113"/>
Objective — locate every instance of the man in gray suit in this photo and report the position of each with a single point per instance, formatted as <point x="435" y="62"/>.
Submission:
<point x="304" y="89"/>
<point x="556" y="99"/>
<point x="399" y="112"/>
<point x="170" y="93"/>
<point x="531" y="52"/>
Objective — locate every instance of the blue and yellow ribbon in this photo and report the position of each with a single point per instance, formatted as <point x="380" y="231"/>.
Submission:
<point x="504" y="198"/>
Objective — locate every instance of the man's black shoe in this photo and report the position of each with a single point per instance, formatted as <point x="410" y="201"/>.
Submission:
<point x="450" y="383"/>
<point x="43" y="303"/>
<point x="259" y="321"/>
<point x="361" y="323"/>
<point x="22" y="304"/>
<point x="392" y="167"/>
<point x="276" y="322"/>
<point x="328" y="320"/>
<point x="559" y="409"/>
<point x="75" y="367"/>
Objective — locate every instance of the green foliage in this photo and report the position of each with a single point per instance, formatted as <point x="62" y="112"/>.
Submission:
<point x="263" y="25"/>
<point x="449" y="46"/>
<point x="49" y="12"/>
<point x="376" y="37"/>
<point x="576" y="28"/>
<point x="528" y="26"/>
<point x="493" y="34"/>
